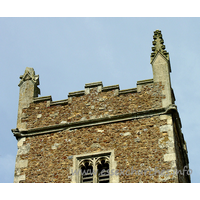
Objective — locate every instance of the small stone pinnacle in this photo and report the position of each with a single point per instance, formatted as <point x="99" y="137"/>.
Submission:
<point x="158" y="45"/>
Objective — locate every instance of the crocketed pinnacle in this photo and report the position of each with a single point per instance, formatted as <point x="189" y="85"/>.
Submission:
<point x="158" y="46"/>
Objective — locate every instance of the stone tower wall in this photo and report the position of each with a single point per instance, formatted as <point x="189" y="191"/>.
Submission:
<point x="132" y="123"/>
<point x="139" y="128"/>
<point x="135" y="143"/>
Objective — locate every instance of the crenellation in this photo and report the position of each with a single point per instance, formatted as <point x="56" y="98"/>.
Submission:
<point x="99" y="85"/>
<point x="133" y="133"/>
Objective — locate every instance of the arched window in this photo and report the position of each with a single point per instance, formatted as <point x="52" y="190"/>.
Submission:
<point x="94" y="170"/>
<point x="97" y="167"/>
<point x="86" y="169"/>
<point x="103" y="171"/>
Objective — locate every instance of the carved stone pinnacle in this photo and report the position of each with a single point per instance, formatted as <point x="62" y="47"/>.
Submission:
<point x="158" y="46"/>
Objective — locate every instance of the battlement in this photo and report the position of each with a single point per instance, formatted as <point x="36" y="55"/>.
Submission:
<point x="100" y="88"/>
<point x="95" y="102"/>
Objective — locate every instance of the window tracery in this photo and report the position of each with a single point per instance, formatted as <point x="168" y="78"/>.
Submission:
<point x="96" y="167"/>
<point x="94" y="170"/>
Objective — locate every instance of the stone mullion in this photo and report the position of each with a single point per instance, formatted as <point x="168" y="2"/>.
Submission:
<point x="94" y="171"/>
<point x="79" y="175"/>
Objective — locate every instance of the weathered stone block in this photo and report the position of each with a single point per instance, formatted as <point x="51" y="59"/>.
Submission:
<point x="21" y="163"/>
<point x="23" y="149"/>
<point x="17" y="179"/>
<point x="170" y="157"/>
<point x="166" y="128"/>
<point x="20" y="142"/>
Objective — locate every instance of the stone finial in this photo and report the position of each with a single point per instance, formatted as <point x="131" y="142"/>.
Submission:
<point x="29" y="74"/>
<point x="158" y="46"/>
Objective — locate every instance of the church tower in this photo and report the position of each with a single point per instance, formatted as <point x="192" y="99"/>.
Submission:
<point x="103" y="134"/>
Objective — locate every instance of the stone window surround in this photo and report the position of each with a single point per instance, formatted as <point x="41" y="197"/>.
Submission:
<point x="75" y="178"/>
<point x="93" y="162"/>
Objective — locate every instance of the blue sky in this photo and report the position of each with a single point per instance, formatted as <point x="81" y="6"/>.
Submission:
<point x="69" y="52"/>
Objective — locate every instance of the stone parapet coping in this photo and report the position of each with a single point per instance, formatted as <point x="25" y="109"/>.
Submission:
<point x="77" y="93"/>
<point x="111" y="87"/>
<point x="147" y="81"/>
<point x="60" y="102"/>
<point x="94" y="84"/>
<point x="131" y="90"/>
<point x="93" y="122"/>
<point x="45" y="98"/>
